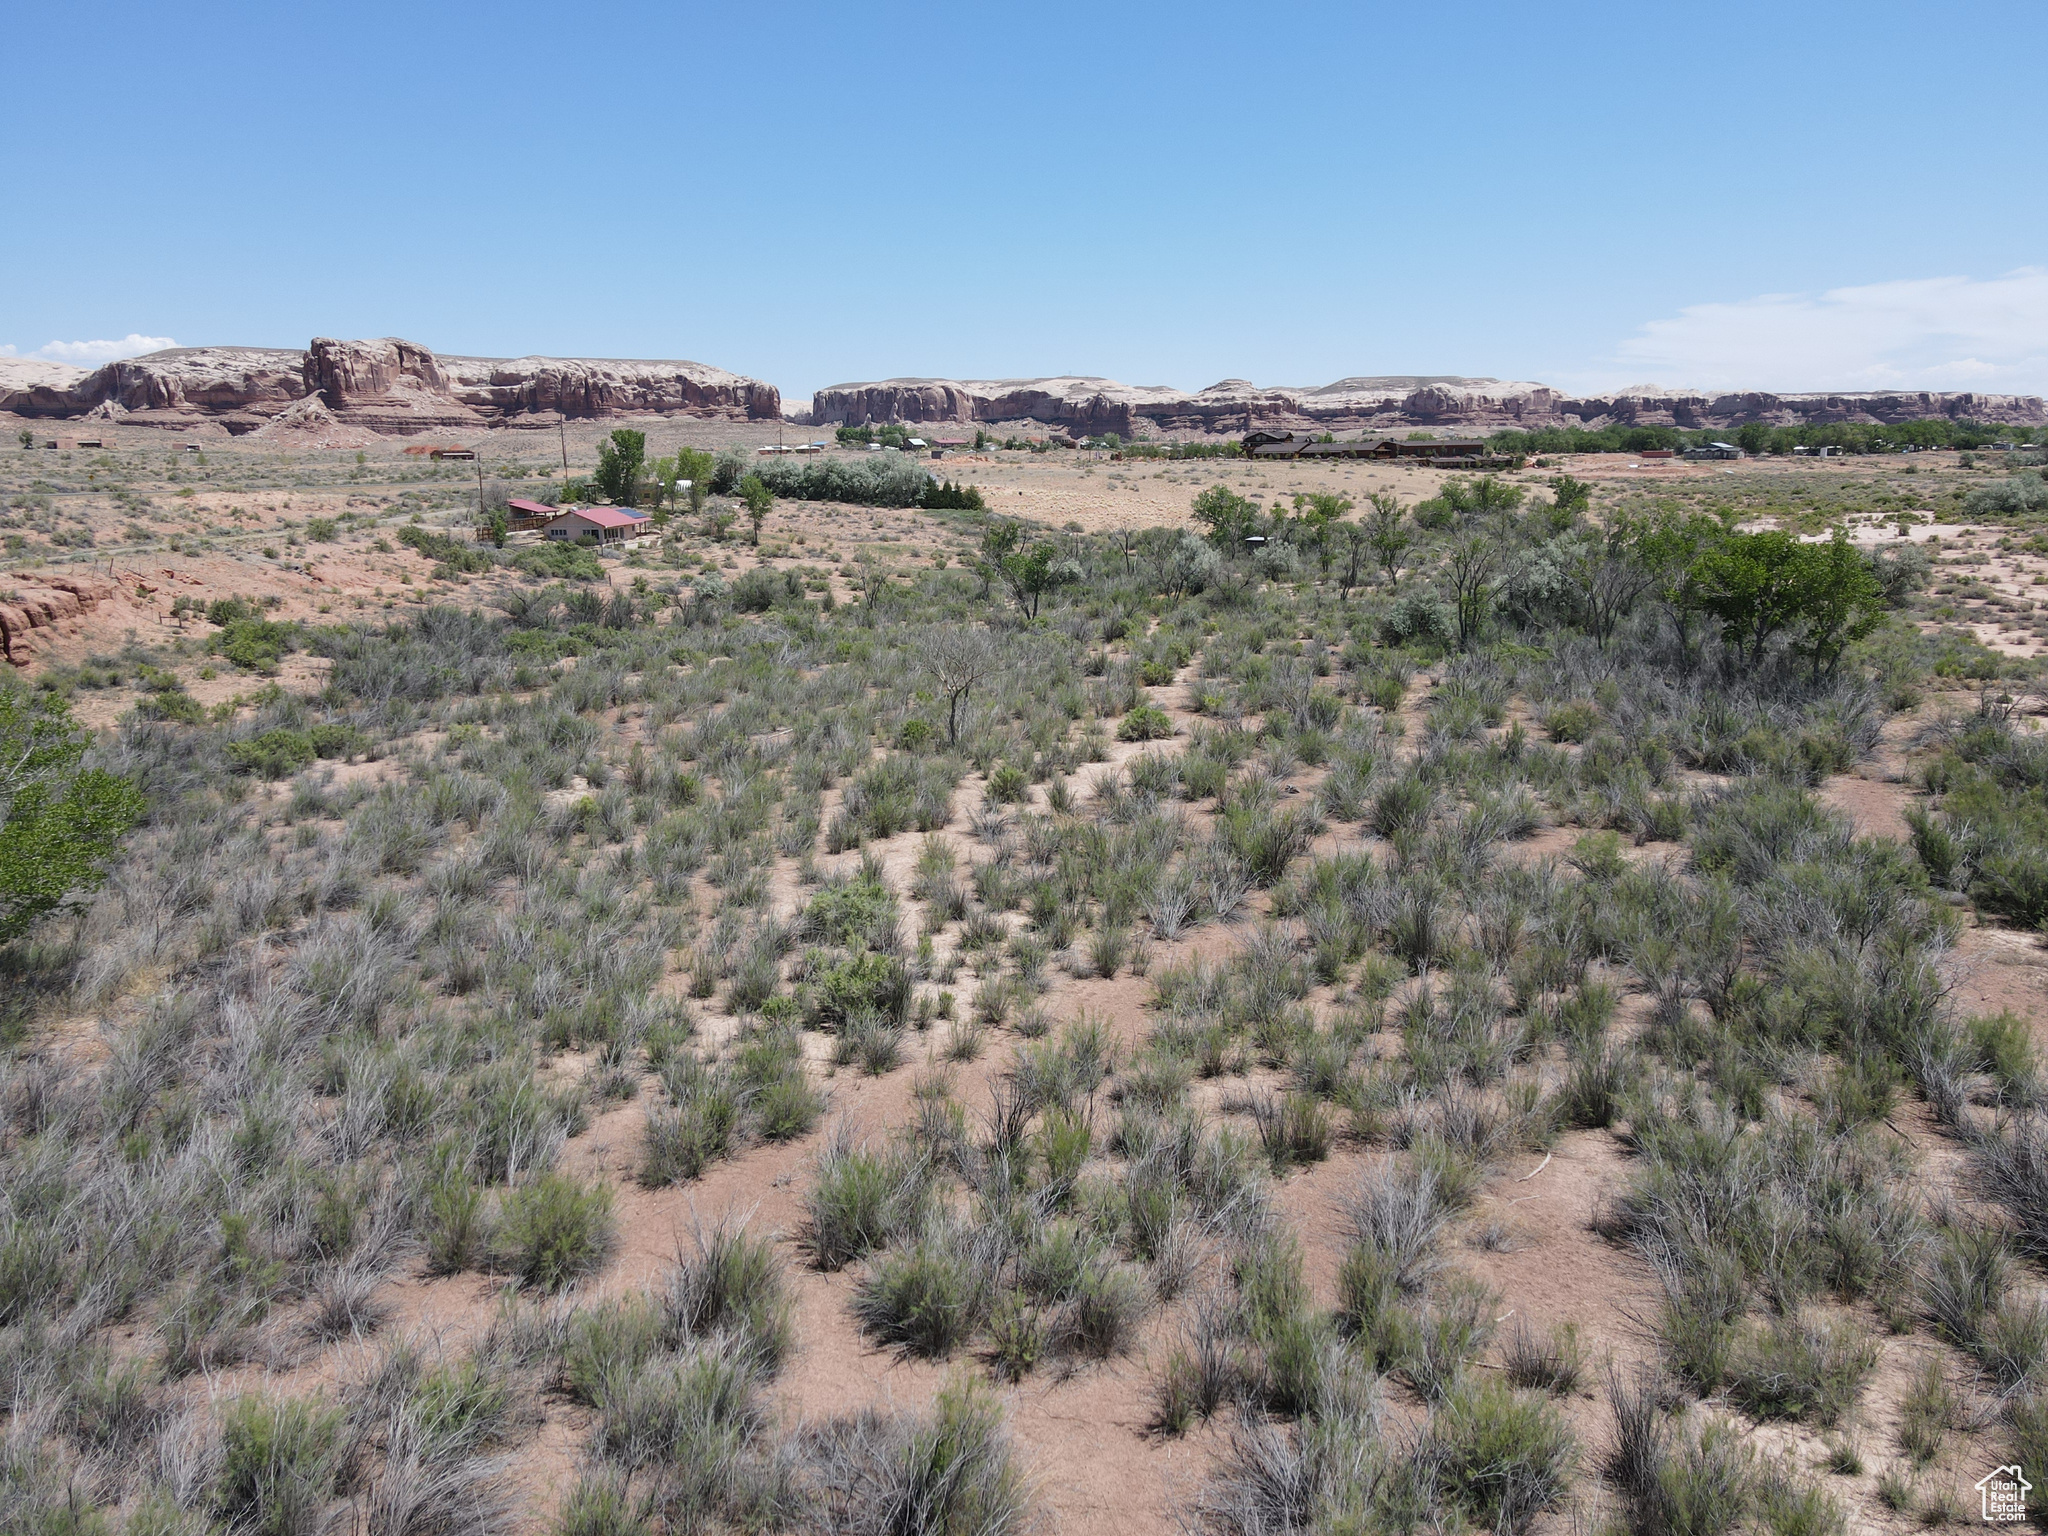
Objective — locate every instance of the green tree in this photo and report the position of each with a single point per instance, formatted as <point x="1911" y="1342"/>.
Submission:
<point x="1032" y="573"/>
<point x="497" y="524"/>
<point x="62" y="821"/>
<point x="1320" y="513"/>
<point x="619" y="461"/>
<point x="1607" y="580"/>
<point x="1761" y="585"/>
<point x="1226" y="518"/>
<point x="1752" y="587"/>
<point x="1841" y="600"/>
<point x="28" y="439"/>
<point x="1753" y="437"/>
<point x="1571" y="499"/>
<point x="1673" y="552"/>
<point x="1472" y="569"/>
<point x="759" y="500"/>
<point x="1484" y="497"/>
<point x="1389" y="540"/>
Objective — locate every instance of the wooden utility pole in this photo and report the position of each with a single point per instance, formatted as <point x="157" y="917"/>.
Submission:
<point x="563" y="428"/>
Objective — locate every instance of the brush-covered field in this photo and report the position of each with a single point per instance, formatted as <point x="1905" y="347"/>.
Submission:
<point x="952" y="1026"/>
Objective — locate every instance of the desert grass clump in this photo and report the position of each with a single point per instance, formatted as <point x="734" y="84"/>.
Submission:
<point x="731" y="1285"/>
<point x="1802" y="1368"/>
<point x="860" y="1200"/>
<point x="1294" y="1130"/>
<point x="556" y="1230"/>
<point x="951" y="1471"/>
<point x="1555" y="1363"/>
<point x="278" y="1463"/>
<point x="1503" y="1457"/>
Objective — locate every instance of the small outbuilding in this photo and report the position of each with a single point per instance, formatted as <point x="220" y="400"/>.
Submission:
<point x="1714" y="451"/>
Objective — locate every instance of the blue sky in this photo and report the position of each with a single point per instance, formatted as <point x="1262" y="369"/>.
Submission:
<point x="1780" y="196"/>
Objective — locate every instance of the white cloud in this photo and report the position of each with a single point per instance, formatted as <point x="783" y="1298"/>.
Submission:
<point x="1921" y="333"/>
<point x="90" y="354"/>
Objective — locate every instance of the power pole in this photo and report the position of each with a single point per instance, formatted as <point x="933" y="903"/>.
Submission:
<point x="563" y="428"/>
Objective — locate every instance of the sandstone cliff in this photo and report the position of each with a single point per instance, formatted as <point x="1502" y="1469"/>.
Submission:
<point x="386" y="385"/>
<point x="1091" y="405"/>
<point x="39" y="601"/>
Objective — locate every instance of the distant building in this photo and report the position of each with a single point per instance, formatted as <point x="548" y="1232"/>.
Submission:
<point x="599" y="525"/>
<point x="452" y="453"/>
<point x="1714" y="451"/>
<point x="1659" y="453"/>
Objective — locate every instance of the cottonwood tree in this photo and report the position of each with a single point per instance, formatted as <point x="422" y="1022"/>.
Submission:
<point x="1673" y="552"/>
<point x="619" y="459"/>
<point x="1607" y="582"/>
<point x="1760" y="585"/>
<point x="60" y="822"/>
<point x="1356" y="546"/>
<point x="759" y="500"/>
<point x="1389" y="540"/>
<point x="1321" y="513"/>
<point x="1227" y="518"/>
<point x="1472" y="570"/>
<point x="957" y="657"/>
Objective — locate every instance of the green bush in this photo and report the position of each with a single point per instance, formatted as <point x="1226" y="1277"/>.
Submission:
<point x="455" y="554"/>
<point x="1802" y="1368"/>
<point x="278" y="1465"/>
<point x="556" y="1230"/>
<point x="1575" y="720"/>
<point x="733" y="1286"/>
<point x="1145" y="723"/>
<point x="257" y="644"/>
<point x="948" y="497"/>
<point x="558" y="560"/>
<point x="337" y="740"/>
<point x="859" y="1200"/>
<point x="1008" y="784"/>
<point x="863" y="985"/>
<point x="929" y="1297"/>
<point x="1504" y="1456"/>
<point x="275" y="754"/>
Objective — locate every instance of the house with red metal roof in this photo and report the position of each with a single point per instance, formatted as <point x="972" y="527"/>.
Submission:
<point x="599" y="525"/>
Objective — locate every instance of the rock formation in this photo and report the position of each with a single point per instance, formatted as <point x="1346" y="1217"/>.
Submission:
<point x="44" y="602"/>
<point x="1095" y="406"/>
<point x="386" y="385"/>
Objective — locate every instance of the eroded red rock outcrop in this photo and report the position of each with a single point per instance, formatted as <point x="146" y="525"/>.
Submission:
<point x="43" y="602"/>
<point x="387" y="385"/>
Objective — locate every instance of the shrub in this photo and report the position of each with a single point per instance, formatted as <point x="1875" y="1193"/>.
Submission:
<point x="1101" y="1317"/>
<point x="867" y="985"/>
<point x="278" y="1464"/>
<point x="1503" y="1456"/>
<point x="1555" y="1365"/>
<point x="857" y="1203"/>
<point x="949" y="1474"/>
<point x="1145" y="723"/>
<point x="256" y="644"/>
<point x="455" y="1225"/>
<point x="1802" y="1368"/>
<point x="456" y="555"/>
<point x="275" y="754"/>
<point x="1575" y="720"/>
<point x="555" y="1230"/>
<point x="1293" y="1129"/>
<point x="929" y="1298"/>
<point x="733" y="1284"/>
<point x="558" y="560"/>
<point x="600" y="1505"/>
